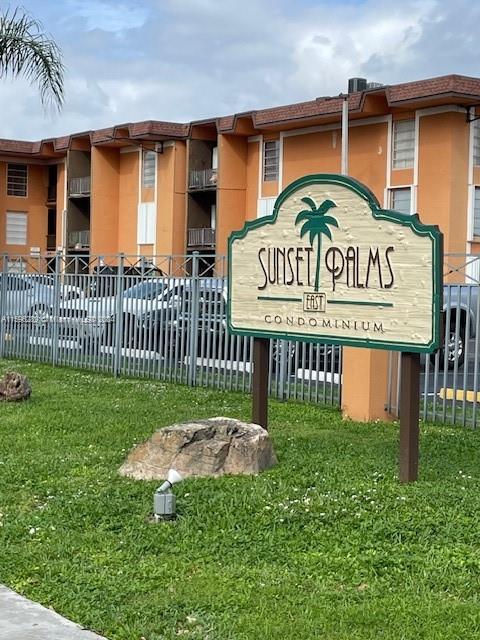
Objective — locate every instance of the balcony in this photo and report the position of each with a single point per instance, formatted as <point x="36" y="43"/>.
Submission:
<point x="204" y="237"/>
<point x="79" y="187"/>
<point x="78" y="239"/>
<point x="202" y="179"/>
<point x="52" y="194"/>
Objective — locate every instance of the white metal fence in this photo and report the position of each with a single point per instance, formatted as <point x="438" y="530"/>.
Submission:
<point x="163" y="318"/>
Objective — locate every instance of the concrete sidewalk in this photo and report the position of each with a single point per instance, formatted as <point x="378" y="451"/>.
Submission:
<point x="22" y="619"/>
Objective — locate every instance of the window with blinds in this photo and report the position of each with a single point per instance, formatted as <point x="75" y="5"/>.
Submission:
<point x="270" y="160"/>
<point x="148" y="169"/>
<point x="401" y="199"/>
<point x="403" y="144"/>
<point x="476" y="142"/>
<point x="16" y="228"/>
<point x="476" y="212"/>
<point x="17" y="176"/>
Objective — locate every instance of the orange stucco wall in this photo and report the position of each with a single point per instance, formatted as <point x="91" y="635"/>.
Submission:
<point x="128" y="202"/>
<point x="368" y="156"/>
<point x="364" y="389"/>
<point x="171" y="204"/>
<point x="311" y="153"/>
<point x="442" y="196"/>
<point x="34" y="205"/>
<point x="251" y="196"/>
<point x="104" y="201"/>
<point x="232" y="188"/>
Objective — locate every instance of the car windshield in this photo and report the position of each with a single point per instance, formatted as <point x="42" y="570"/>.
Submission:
<point x="145" y="290"/>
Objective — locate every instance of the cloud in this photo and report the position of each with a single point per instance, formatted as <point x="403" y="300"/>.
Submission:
<point x="107" y="16"/>
<point x="171" y="60"/>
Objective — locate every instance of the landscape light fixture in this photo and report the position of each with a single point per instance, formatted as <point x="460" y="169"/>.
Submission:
<point x="164" y="499"/>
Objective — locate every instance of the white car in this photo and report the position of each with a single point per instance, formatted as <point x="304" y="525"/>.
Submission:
<point x="25" y="294"/>
<point x="146" y="307"/>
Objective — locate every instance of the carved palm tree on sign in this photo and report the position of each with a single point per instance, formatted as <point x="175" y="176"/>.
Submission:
<point x="317" y="224"/>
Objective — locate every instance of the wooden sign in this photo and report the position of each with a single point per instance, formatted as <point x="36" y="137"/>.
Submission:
<point x="330" y="265"/>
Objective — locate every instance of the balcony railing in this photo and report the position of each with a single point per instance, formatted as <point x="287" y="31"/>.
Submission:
<point x="78" y="239"/>
<point x="79" y="187"/>
<point x="202" y="179"/>
<point x="204" y="237"/>
<point x="52" y="193"/>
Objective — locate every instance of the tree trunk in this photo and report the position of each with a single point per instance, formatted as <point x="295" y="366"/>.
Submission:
<point x="317" y="270"/>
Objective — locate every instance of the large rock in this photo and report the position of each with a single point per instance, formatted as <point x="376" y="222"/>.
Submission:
<point x="203" y="448"/>
<point x="14" y="386"/>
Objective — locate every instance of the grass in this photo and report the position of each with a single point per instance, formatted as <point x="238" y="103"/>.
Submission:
<point x="325" y="545"/>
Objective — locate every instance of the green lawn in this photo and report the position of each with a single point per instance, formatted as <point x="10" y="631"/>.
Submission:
<point x="325" y="545"/>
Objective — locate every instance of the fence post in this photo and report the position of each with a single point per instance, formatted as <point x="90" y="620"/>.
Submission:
<point x="193" y="333"/>
<point x="117" y="353"/>
<point x="3" y="290"/>
<point x="56" y="307"/>
<point x="282" y="368"/>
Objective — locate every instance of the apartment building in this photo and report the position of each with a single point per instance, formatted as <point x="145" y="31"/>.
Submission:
<point x="156" y="188"/>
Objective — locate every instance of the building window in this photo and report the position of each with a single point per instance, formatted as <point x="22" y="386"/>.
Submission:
<point x="476" y="212"/>
<point x="476" y="142"/>
<point x="403" y="144"/>
<point x="401" y="200"/>
<point x="270" y="160"/>
<point x="148" y="169"/>
<point x="17" y="180"/>
<point x="16" y="228"/>
<point x="265" y="207"/>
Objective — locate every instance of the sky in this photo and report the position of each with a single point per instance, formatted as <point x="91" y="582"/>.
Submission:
<point x="183" y="60"/>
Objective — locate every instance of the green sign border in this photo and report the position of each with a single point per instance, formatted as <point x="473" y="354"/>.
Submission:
<point x="410" y="221"/>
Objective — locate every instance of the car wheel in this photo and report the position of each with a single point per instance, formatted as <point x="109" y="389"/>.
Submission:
<point x="454" y="350"/>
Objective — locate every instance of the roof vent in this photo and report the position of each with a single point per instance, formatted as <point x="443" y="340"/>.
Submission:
<point x="357" y="84"/>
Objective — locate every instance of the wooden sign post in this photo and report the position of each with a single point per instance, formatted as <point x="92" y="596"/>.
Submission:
<point x="260" y="382"/>
<point x="331" y="266"/>
<point x="409" y="416"/>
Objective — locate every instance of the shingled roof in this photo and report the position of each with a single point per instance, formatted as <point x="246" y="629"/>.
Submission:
<point x="462" y="86"/>
<point x="464" y="89"/>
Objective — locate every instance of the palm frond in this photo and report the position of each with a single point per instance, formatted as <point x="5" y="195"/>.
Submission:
<point x="325" y="206"/>
<point x="330" y="220"/>
<point x="303" y="215"/>
<point x="327" y="232"/>
<point x="26" y="50"/>
<point x="310" y="225"/>
<point x="310" y="202"/>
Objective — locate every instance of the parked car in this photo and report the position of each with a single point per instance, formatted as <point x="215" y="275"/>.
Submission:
<point x="175" y="318"/>
<point x="96" y="317"/>
<point x="25" y="295"/>
<point x="461" y="315"/>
